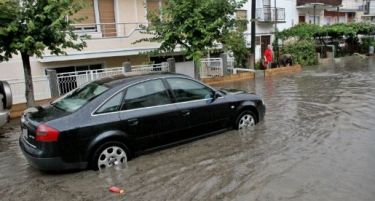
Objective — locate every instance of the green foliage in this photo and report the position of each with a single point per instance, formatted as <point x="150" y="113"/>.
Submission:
<point x="302" y="51"/>
<point x="333" y="34"/>
<point x="234" y="41"/>
<point x="301" y="31"/>
<point x="258" y="65"/>
<point x="38" y="25"/>
<point x="8" y="12"/>
<point x="366" y="43"/>
<point x="193" y="25"/>
<point x="309" y="31"/>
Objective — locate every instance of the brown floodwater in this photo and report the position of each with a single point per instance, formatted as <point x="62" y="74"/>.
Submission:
<point x="317" y="143"/>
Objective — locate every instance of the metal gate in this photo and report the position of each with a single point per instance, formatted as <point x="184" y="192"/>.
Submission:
<point x="69" y="81"/>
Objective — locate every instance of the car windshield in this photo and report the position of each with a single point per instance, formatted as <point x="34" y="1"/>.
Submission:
<point x="77" y="98"/>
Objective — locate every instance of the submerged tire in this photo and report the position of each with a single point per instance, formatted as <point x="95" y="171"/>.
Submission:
<point x="108" y="155"/>
<point x="245" y="120"/>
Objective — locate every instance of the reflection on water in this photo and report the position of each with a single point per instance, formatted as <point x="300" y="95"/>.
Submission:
<point x="317" y="143"/>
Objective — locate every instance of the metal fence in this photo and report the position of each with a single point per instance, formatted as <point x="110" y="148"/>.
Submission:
<point x="270" y="14"/>
<point x="162" y="67"/>
<point x="230" y="62"/>
<point x="68" y="81"/>
<point x="211" y="67"/>
<point x="41" y="89"/>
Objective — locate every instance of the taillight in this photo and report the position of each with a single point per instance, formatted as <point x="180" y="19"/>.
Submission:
<point x="44" y="133"/>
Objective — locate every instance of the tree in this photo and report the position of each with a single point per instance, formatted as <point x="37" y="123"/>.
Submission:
<point x="37" y="26"/>
<point x="195" y="26"/>
<point x="234" y="40"/>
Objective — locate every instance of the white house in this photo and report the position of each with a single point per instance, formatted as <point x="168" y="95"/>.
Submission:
<point x="369" y="11"/>
<point x="322" y="12"/>
<point x="270" y="14"/>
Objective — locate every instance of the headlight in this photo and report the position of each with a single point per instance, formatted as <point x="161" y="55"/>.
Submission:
<point x="23" y="119"/>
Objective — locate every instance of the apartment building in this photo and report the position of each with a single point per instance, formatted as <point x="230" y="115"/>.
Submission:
<point x="114" y="26"/>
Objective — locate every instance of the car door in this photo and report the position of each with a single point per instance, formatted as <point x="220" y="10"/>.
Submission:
<point x="148" y="112"/>
<point x="199" y="106"/>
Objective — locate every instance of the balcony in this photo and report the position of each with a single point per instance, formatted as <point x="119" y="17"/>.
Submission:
<point x="325" y="2"/>
<point x="107" y="40"/>
<point x="270" y="15"/>
<point x="109" y="30"/>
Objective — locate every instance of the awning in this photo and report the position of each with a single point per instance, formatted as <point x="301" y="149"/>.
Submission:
<point x="316" y="5"/>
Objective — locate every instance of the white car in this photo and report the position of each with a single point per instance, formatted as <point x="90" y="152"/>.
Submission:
<point x="5" y="102"/>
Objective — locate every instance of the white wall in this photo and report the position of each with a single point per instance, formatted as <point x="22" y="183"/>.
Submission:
<point x="372" y="8"/>
<point x="352" y="4"/>
<point x="291" y="13"/>
<point x="185" y="68"/>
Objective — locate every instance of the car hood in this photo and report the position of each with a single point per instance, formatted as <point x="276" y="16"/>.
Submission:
<point x="240" y="94"/>
<point x="233" y="91"/>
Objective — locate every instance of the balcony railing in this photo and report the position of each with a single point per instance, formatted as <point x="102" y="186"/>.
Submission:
<point x="109" y="30"/>
<point x="271" y="15"/>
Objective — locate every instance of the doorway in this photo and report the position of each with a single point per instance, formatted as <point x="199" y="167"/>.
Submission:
<point x="264" y="42"/>
<point x="301" y="19"/>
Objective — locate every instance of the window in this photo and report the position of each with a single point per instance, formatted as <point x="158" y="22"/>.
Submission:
<point x="188" y="90"/>
<point x="85" y="67"/>
<point x="153" y="6"/>
<point x="241" y="16"/>
<point x="317" y="19"/>
<point x="146" y="94"/>
<point x="112" y="105"/>
<point x="85" y="17"/>
<point x="77" y="98"/>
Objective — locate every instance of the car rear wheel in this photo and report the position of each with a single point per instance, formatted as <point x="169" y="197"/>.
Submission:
<point x="245" y="120"/>
<point x="109" y="155"/>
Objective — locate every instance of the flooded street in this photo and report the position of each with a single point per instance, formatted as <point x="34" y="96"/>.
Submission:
<point x="317" y="143"/>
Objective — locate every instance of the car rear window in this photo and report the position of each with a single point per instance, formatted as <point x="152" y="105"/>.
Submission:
<point x="79" y="97"/>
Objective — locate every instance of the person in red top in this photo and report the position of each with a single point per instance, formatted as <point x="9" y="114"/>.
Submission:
<point x="268" y="56"/>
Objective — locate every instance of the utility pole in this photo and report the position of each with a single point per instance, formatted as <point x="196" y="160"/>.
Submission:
<point x="276" y="54"/>
<point x="253" y="31"/>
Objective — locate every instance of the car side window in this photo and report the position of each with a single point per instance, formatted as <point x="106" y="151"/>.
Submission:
<point x="146" y="94"/>
<point x="112" y="105"/>
<point x="188" y="90"/>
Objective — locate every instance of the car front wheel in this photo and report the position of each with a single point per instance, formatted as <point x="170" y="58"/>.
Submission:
<point x="245" y="120"/>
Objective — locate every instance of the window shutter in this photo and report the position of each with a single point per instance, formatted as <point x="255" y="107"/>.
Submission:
<point x="87" y="13"/>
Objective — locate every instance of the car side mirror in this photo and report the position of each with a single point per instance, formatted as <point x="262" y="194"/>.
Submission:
<point x="216" y="95"/>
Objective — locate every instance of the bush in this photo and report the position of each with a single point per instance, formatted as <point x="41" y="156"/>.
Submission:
<point x="366" y="43"/>
<point x="302" y="51"/>
<point x="258" y="65"/>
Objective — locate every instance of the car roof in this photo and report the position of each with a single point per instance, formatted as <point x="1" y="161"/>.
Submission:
<point x="123" y="79"/>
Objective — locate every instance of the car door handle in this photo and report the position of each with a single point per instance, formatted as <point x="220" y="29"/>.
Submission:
<point x="133" y="122"/>
<point x="185" y="113"/>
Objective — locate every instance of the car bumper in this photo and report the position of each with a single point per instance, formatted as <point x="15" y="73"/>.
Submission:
<point x="262" y="111"/>
<point x="47" y="164"/>
<point x="4" y="117"/>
